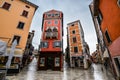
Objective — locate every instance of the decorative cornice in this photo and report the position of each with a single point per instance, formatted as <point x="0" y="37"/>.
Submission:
<point x="29" y="3"/>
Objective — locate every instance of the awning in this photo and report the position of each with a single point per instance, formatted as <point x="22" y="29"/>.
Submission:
<point x="115" y="48"/>
<point x="17" y="53"/>
<point x="105" y="55"/>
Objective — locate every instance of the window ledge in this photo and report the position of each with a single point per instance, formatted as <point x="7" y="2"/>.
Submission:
<point x="24" y="16"/>
<point x="20" y="28"/>
<point x="4" y="9"/>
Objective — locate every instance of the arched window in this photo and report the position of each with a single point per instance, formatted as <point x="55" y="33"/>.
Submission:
<point x="49" y="30"/>
<point x="55" y="29"/>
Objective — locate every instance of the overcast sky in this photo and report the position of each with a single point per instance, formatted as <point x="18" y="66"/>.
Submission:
<point x="73" y="10"/>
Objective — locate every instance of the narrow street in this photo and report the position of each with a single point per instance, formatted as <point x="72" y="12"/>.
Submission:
<point x="30" y="73"/>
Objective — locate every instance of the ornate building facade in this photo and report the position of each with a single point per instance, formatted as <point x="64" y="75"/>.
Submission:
<point x="51" y="46"/>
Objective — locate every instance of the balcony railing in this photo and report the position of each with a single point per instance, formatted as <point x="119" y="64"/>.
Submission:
<point x="51" y="35"/>
<point x="48" y="35"/>
<point x="54" y="35"/>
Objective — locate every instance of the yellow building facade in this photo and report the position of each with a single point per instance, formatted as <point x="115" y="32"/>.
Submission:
<point x="75" y="36"/>
<point x="15" y="20"/>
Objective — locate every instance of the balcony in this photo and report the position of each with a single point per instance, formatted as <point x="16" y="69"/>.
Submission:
<point x="48" y="35"/>
<point x="51" y="35"/>
<point x="54" y="35"/>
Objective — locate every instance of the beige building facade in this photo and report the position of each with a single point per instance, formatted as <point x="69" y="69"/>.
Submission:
<point x="75" y="40"/>
<point x="15" y="20"/>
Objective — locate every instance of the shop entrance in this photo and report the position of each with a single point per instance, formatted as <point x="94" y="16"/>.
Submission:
<point x="50" y="62"/>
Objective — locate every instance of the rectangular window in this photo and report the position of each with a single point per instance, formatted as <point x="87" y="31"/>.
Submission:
<point x="42" y="61"/>
<point x="99" y="17"/>
<point x="17" y="38"/>
<point x="48" y="15"/>
<point x="57" y="61"/>
<point x="57" y="15"/>
<point x="25" y="13"/>
<point x="74" y="40"/>
<point x="56" y="22"/>
<point x="44" y="44"/>
<point x="49" y="22"/>
<point x="21" y="25"/>
<point x="57" y="44"/>
<point x="73" y="31"/>
<point x="72" y="24"/>
<point x="52" y="15"/>
<point x="6" y="6"/>
<point x="27" y="6"/>
<point x="75" y="49"/>
<point x="107" y="36"/>
<point x="117" y="62"/>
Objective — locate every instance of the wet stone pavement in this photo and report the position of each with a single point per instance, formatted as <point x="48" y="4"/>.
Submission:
<point x="30" y="73"/>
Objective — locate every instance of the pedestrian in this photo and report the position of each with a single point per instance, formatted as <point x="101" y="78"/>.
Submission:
<point x="105" y="64"/>
<point x="101" y="68"/>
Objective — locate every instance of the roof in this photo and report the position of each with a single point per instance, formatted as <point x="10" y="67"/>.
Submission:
<point x="53" y="11"/>
<point x="30" y="3"/>
<point x="73" y="22"/>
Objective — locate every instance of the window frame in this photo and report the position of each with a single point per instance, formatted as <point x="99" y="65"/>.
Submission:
<point x="52" y="15"/>
<point x="44" y="44"/>
<point x="76" y="51"/>
<point x="48" y="22"/>
<point x="72" y="24"/>
<point x="57" y="61"/>
<point x="49" y="15"/>
<point x="56" y="46"/>
<point x="57" y="14"/>
<point x="56" y="22"/>
<point x="73" y="32"/>
<point x="25" y="13"/>
<point x="107" y="36"/>
<point x="21" y="25"/>
<point x="3" y="6"/>
<point x="99" y="17"/>
<point x="74" y="39"/>
<point x="42" y="61"/>
<point x="18" y="40"/>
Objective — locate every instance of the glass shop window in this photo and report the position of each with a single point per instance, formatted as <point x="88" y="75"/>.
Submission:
<point x="57" y="61"/>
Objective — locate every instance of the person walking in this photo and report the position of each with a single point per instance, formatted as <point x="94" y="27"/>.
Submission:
<point x="105" y="64"/>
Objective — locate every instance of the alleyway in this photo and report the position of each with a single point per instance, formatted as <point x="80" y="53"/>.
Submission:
<point x="30" y="73"/>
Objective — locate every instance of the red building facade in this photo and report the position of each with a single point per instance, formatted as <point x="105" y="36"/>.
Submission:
<point x="108" y="22"/>
<point x="51" y="49"/>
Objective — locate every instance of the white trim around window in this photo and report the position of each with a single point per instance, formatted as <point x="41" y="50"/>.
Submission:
<point x="118" y="3"/>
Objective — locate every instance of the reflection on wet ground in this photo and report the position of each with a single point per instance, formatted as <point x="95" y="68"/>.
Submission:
<point x="30" y="73"/>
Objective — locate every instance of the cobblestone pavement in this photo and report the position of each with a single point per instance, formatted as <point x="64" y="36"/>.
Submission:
<point x="30" y="73"/>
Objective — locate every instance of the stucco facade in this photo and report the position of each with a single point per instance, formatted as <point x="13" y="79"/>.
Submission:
<point x="75" y="36"/>
<point x="10" y="18"/>
<point x="108" y="18"/>
<point x="51" y="45"/>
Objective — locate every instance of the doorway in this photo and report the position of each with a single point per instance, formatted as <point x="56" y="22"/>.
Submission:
<point x="50" y="63"/>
